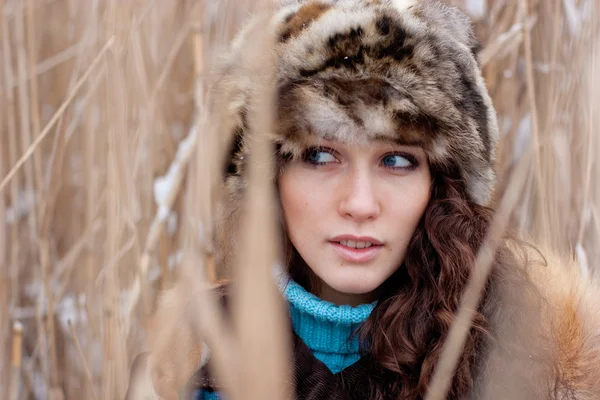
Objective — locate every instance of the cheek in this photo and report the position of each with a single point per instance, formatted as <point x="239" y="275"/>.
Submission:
<point x="299" y="202"/>
<point x="407" y="206"/>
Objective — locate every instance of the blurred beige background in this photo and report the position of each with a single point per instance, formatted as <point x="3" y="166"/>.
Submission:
<point x="96" y="102"/>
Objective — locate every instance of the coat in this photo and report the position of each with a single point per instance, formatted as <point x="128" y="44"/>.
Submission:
<point x="553" y="354"/>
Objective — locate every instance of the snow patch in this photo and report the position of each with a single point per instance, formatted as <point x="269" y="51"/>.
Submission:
<point x="523" y="137"/>
<point x="172" y="224"/>
<point x="177" y="131"/>
<point x="476" y="8"/>
<point x="25" y="204"/>
<point x="154" y="272"/>
<point x="71" y="308"/>
<point x="163" y="185"/>
<point x="163" y="213"/>
<point x="573" y="15"/>
<point x="582" y="259"/>
<point x="174" y="260"/>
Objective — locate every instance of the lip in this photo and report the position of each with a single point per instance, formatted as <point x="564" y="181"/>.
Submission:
<point x="357" y="239"/>
<point x="357" y="255"/>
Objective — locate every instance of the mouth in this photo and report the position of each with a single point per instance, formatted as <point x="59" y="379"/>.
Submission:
<point x="357" y="249"/>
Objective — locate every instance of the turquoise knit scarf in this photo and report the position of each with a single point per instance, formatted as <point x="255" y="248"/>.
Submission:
<point x="325" y="327"/>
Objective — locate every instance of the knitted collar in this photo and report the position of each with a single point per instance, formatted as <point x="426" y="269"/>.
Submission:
<point x="326" y="327"/>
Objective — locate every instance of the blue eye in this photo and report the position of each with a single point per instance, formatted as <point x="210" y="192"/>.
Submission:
<point x="398" y="161"/>
<point x="318" y="156"/>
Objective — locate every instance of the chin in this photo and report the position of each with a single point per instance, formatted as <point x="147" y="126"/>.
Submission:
<point x="355" y="286"/>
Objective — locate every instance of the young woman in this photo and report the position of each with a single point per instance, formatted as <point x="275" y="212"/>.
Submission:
<point x="385" y="146"/>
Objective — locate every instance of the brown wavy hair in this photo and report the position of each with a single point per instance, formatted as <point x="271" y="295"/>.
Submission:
<point x="405" y="332"/>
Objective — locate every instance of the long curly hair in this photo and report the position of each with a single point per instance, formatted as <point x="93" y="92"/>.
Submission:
<point x="405" y="332"/>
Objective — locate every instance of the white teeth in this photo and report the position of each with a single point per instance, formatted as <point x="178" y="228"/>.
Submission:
<point x="356" y="245"/>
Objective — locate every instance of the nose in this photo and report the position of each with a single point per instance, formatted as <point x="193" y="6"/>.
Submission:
<point x="359" y="198"/>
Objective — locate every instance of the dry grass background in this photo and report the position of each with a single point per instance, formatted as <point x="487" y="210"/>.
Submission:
<point x="98" y="119"/>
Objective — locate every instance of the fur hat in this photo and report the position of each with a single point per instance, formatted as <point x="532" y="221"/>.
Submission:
<point x="355" y="70"/>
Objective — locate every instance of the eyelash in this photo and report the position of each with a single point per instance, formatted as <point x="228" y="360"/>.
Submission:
<point x="413" y="161"/>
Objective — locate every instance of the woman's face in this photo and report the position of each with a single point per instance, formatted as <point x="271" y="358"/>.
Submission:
<point x="350" y="212"/>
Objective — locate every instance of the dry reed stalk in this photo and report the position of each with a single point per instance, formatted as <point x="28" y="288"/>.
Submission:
<point x="92" y="200"/>
<point x="585" y="242"/>
<point x="56" y="115"/>
<point x="107" y="361"/>
<point x="505" y="42"/>
<point x="453" y="345"/>
<point x="250" y="288"/>
<point x="28" y="107"/>
<point x="65" y="267"/>
<point x="4" y="286"/>
<point x="531" y="95"/>
<point x="50" y="63"/>
<point x="80" y="245"/>
<point x="210" y="326"/>
<point x="114" y="228"/>
<point x="110" y="306"/>
<point x="25" y="121"/>
<point x="47" y="331"/>
<point x="45" y="340"/>
<point x="15" y="242"/>
<point x="555" y="47"/>
<point x="591" y="193"/>
<point x="206" y="321"/>
<point x="446" y="370"/>
<point x="566" y="121"/>
<point x="4" y="261"/>
<point x="199" y="57"/>
<point x="11" y="128"/>
<point x="34" y="95"/>
<point x="84" y="363"/>
<point x="16" y="359"/>
<point x="141" y="69"/>
<point x="253" y="287"/>
<point x="174" y="179"/>
<point x="156" y="90"/>
<point x="47" y="209"/>
<point x="28" y="372"/>
<point x="590" y="145"/>
<point x="257" y="306"/>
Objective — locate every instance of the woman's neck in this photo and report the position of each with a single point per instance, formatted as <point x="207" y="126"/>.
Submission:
<point x="327" y="293"/>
